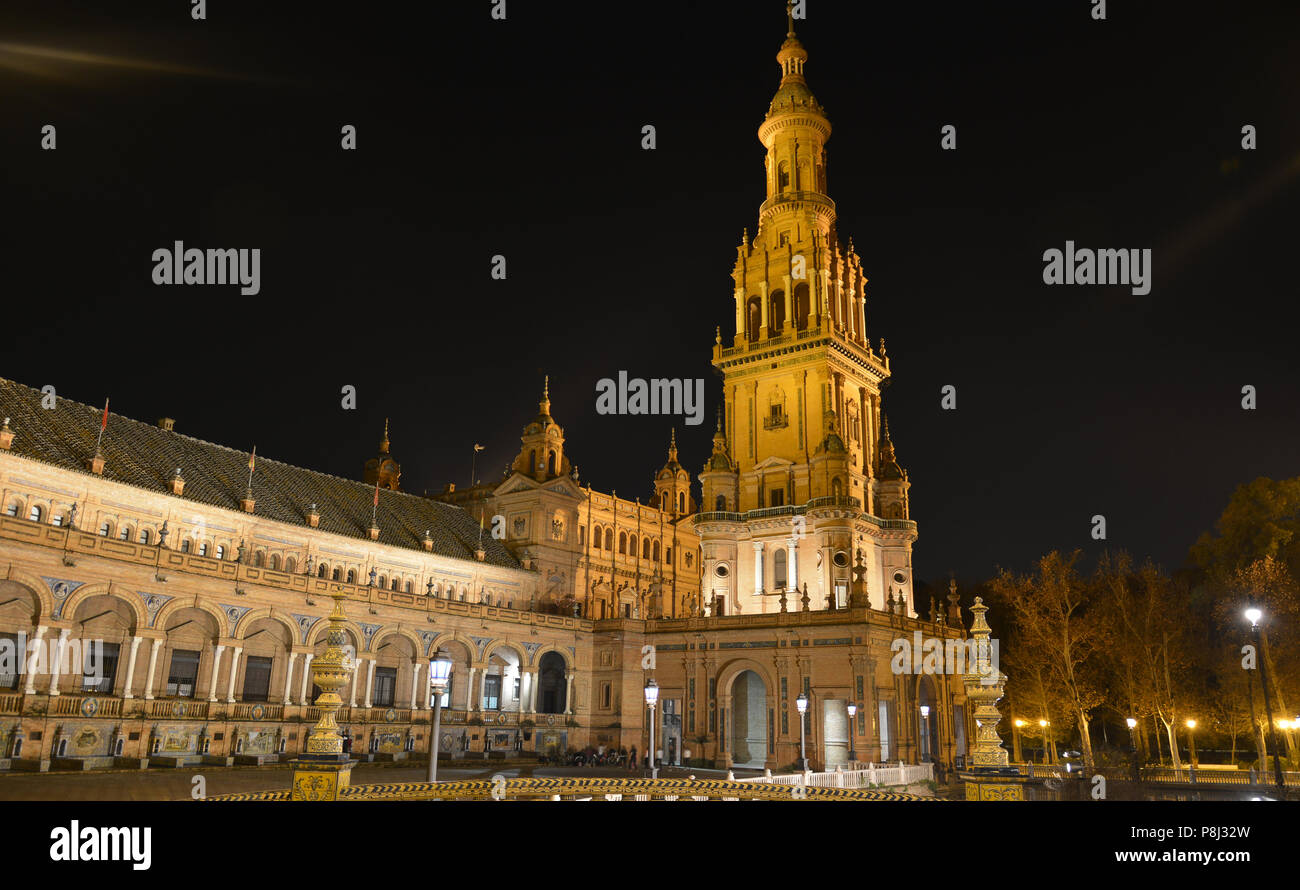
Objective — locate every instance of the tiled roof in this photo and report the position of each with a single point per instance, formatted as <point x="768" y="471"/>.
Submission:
<point x="145" y="456"/>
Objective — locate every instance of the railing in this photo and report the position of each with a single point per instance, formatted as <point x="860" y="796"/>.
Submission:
<point x="10" y="704"/>
<point x="873" y="776"/>
<point x="178" y="709"/>
<point x="718" y="516"/>
<point x="85" y="706"/>
<point x="834" y="501"/>
<point x="796" y="197"/>
<point x="256" y="711"/>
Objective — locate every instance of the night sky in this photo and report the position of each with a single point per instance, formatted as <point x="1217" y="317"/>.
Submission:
<point x="522" y="138"/>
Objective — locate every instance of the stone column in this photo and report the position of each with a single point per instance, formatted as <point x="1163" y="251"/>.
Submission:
<point x="758" y="568"/>
<point x="288" y="677"/>
<point x="234" y="669"/>
<point x="532" y="692"/>
<point x="153" y="664"/>
<point x="428" y="690"/>
<point x="370" y="683"/>
<point x="568" y="692"/>
<point x="791" y="323"/>
<point x="415" y="682"/>
<point x="352" y="698"/>
<point x="216" y="666"/>
<point x="57" y="667"/>
<point x="764" y="323"/>
<point x="469" y="691"/>
<point x="740" y="314"/>
<point x="33" y="663"/>
<point x="792" y="562"/>
<point x="306" y="677"/>
<point x="130" y="667"/>
<point x="482" y="687"/>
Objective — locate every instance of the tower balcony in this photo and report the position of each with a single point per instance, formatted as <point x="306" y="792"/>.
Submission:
<point x="796" y="200"/>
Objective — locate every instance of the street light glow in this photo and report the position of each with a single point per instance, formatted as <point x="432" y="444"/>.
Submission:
<point x="1253" y="615"/>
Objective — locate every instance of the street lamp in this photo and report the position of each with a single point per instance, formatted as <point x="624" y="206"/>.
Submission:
<point x="1191" y="741"/>
<point x="1132" y="738"/>
<point x="925" y="731"/>
<point x="853" y="712"/>
<point x="439" y="674"/>
<point x="802" y="704"/>
<point x="1016" y="726"/>
<point x="1043" y="724"/>
<point x="651" y="699"/>
<point x="1254" y="615"/>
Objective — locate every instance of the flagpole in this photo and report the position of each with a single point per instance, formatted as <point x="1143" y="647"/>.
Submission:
<point x="103" y="425"/>
<point x="251" y="459"/>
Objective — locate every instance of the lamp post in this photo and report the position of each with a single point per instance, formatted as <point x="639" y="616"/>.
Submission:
<point x="439" y="673"/>
<point x="1015" y="739"/>
<point x="1132" y="738"/>
<point x="1191" y="742"/>
<point x="1254" y="615"/>
<point x="651" y="699"/>
<point x="1043" y="724"/>
<point x="925" y="733"/>
<point x="802" y="704"/>
<point x="853" y="712"/>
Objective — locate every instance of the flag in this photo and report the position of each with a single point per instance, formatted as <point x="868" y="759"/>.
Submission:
<point x="252" y="457"/>
<point x="478" y="447"/>
<point x="103" y="424"/>
<point x="376" y="492"/>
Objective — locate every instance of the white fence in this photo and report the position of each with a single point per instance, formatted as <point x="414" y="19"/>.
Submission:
<point x="872" y="775"/>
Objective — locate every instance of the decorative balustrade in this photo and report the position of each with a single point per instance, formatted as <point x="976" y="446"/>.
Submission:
<point x="878" y="776"/>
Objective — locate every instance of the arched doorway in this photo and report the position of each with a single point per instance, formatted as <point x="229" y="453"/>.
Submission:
<point x="749" y="721"/>
<point x="927" y="716"/>
<point x="550" y="684"/>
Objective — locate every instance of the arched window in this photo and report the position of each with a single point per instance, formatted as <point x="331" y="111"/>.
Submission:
<point x="779" y="578"/>
<point x="383" y="581"/>
<point x="782" y="176"/>
<point x="322" y="570"/>
<point x="221" y="551"/>
<point x="656" y="556"/>
<point x="36" y="514"/>
<point x="837" y="488"/>
<point x="622" y="543"/>
<point x="12" y="509"/>
<point x="337" y="574"/>
<point x="532" y="462"/>
<point x="668" y="555"/>
<point x="720" y="503"/>
<point x="124" y="534"/>
<point x="681" y="502"/>
<point x="352" y="576"/>
<point x="57" y="520"/>
<point x="203" y="549"/>
<point x="105" y="527"/>
<point x="185" y="546"/>
<point x="631" y="545"/>
<point x="776" y="311"/>
<point x="290" y="565"/>
<point x="275" y="562"/>
<point x="755" y="316"/>
<point x="595" y="537"/>
<point x="258" y="558"/>
<point x="144" y="536"/>
<point x="393" y="584"/>
<point x="410" y="588"/>
<point x="801" y="306"/>
<point x="645" y="548"/>
<point x="609" y="539"/>
<point x="550" y="463"/>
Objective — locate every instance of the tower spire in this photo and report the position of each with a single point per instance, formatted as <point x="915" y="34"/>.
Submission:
<point x="544" y="406"/>
<point x="789" y="18"/>
<point x="672" y="446"/>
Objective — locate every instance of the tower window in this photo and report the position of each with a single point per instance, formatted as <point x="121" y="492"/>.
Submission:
<point x="720" y="503"/>
<point x="782" y="176"/>
<point x="778" y="497"/>
<point x="35" y="515"/>
<point x="681" y="502"/>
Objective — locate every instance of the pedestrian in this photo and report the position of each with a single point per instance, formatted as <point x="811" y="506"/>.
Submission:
<point x="631" y="761"/>
<point x="347" y="742"/>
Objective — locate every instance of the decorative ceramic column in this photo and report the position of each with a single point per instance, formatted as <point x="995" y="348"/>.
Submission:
<point x="153" y="664"/>
<point x="568" y="692"/>
<point x="33" y="663"/>
<point x="415" y="682"/>
<point x="984" y="684"/>
<point x="57" y="667"/>
<point x="216" y="666"/>
<point x="758" y="568"/>
<point x="469" y="691"/>
<point x="288" y="677"/>
<point x="130" y="667"/>
<point x="306" y="676"/>
<point x="234" y="670"/>
<point x="323" y="769"/>
<point x="370" y="683"/>
<point x="792" y="562"/>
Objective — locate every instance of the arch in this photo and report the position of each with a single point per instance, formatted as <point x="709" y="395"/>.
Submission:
<point x="352" y="576"/>
<point x="550" y="463"/>
<point x="720" y="503"/>
<point x="401" y="632"/>
<point x="782" y="176"/>
<point x="170" y="608"/>
<point x="86" y="591"/>
<point x="552" y="685"/>
<point x="748" y="697"/>
<point x="322" y="570"/>
<point x="336" y="574"/>
<point x="499" y="643"/>
<point x="596" y="539"/>
<point x="259" y="558"/>
<point x="631" y="545"/>
<point x="446" y="641"/>
<point x="609" y="539"/>
<point x="645" y="548"/>
<point x="275" y="562"/>
<point x="246" y="623"/>
<point x="290" y="564"/>
<point x="681" y="502"/>
<point x="622" y="543"/>
<point x="801" y="306"/>
<point x="40" y="591"/>
<point x="780" y="577"/>
<point x="776" y="311"/>
<point x="552" y="647"/>
<point x="657" y="551"/>
<point x="754" y="317"/>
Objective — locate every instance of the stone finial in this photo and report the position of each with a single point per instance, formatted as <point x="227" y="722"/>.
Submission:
<point x="313" y="516"/>
<point x="805" y="599"/>
<point x="6" y="436"/>
<point x="177" y="482"/>
<point x="96" y="464"/>
<point x="246" y="503"/>
<point x="427" y="540"/>
<point x="783" y="603"/>
<point x="373" y="532"/>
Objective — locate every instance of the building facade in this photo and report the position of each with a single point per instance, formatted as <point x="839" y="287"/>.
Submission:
<point x="166" y="596"/>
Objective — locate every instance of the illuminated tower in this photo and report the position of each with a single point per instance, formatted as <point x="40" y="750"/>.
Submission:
<point x="812" y="477"/>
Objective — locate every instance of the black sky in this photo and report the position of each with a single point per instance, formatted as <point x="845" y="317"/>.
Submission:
<point x="523" y="138"/>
